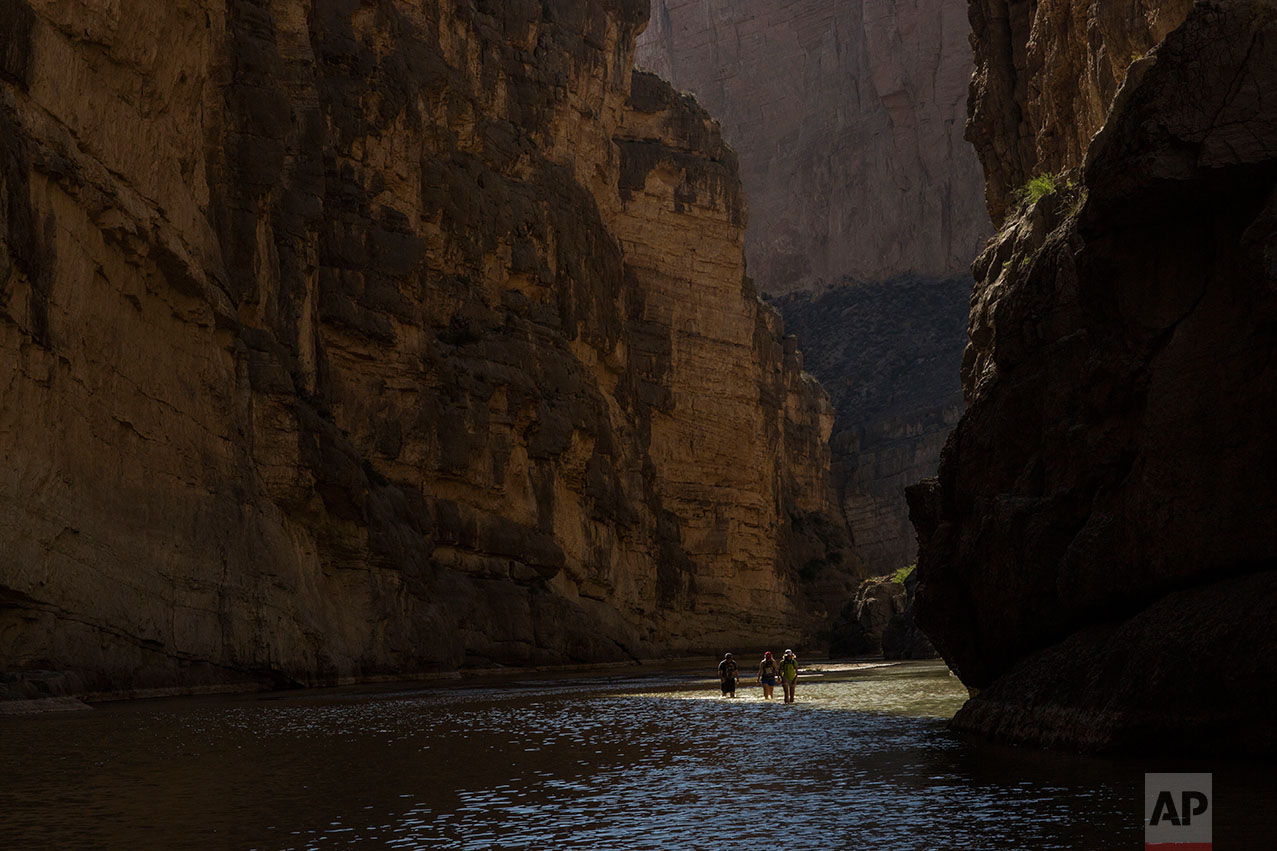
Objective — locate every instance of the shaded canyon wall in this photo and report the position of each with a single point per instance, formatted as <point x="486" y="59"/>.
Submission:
<point x="888" y="353"/>
<point x="1099" y="552"/>
<point x="342" y="340"/>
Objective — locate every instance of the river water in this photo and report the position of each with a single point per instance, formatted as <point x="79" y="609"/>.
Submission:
<point x="862" y="760"/>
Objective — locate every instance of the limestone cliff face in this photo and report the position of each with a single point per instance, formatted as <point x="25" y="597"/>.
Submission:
<point x="341" y="340"/>
<point x="1099" y="553"/>
<point x="848" y="120"/>
<point x="864" y="213"/>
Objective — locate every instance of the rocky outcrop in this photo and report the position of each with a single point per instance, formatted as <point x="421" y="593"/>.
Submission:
<point x="889" y="354"/>
<point x="848" y="121"/>
<point x="879" y="621"/>
<point x="342" y="340"/>
<point x="862" y="622"/>
<point x="903" y="639"/>
<point x="1099" y="550"/>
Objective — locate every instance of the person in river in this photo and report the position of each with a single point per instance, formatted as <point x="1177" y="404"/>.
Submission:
<point x="727" y="674"/>
<point x="767" y="672"/>
<point x="789" y="674"/>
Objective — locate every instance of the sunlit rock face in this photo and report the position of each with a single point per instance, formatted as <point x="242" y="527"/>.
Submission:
<point x="1098" y="552"/>
<point x="865" y="212"/>
<point x="341" y="340"/>
<point x="1046" y="74"/>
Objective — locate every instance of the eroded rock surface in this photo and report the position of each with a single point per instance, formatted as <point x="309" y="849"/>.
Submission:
<point x="1046" y="73"/>
<point x="1098" y="552"/>
<point x="879" y="621"/>
<point x="860" y="627"/>
<point x="342" y="340"/>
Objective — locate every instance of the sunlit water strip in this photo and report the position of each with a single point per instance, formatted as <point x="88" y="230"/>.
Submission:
<point x="862" y="760"/>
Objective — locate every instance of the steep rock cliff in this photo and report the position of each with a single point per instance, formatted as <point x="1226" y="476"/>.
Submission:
<point x="848" y="120"/>
<point x="341" y="340"/>
<point x="864" y="213"/>
<point x="1099" y="553"/>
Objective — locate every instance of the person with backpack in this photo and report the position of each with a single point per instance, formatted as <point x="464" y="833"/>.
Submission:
<point x="767" y="671"/>
<point x="727" y="674"/>
<point x="789" y="674"/>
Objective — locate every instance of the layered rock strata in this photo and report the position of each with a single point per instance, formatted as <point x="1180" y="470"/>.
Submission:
<point x="1099" y="552"/>
<point x="848" y="119"/>
<point x="342" y="340"/>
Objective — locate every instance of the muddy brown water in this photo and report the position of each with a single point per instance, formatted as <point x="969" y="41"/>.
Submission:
<point x="863" y="760"/>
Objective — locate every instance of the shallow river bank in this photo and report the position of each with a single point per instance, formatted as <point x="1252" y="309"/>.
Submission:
<point x="863" y="760"/>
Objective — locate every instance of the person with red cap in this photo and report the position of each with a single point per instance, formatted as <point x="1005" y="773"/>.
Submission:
<point x="767" y="672"/>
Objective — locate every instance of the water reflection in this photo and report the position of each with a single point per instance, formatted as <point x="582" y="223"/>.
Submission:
<point x="861" y="761"/>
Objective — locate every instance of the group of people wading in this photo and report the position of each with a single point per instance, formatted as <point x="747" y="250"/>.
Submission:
<point x="769" y="670"/>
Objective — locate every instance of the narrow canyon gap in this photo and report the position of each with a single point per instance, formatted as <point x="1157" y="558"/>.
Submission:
<point x="866" y="209"/>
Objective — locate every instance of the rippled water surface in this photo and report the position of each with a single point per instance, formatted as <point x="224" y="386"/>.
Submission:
<point x="861" y="761"/>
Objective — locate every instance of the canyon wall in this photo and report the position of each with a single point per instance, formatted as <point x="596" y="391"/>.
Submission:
<point x="865" y="213"/>
<point x="342" y="340"/>
<point x="1099" y="552"/>
<point x="848" y="120"/>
